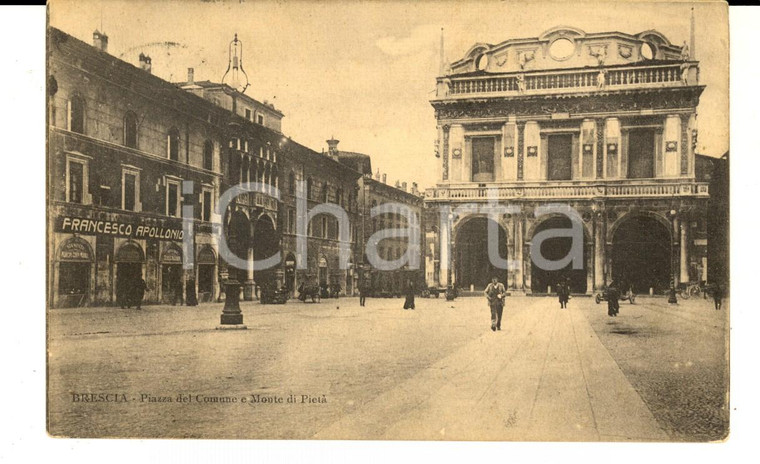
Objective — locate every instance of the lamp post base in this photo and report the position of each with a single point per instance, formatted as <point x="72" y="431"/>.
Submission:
<point x="672" y="299"/>
<point x="231" y="314"/>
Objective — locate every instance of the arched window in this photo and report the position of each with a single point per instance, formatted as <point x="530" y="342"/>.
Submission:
<point x="130" y="130"/>
<point x="208" y="155"/>
<point x="172" y="144"/>
<point x="76" y="114"/>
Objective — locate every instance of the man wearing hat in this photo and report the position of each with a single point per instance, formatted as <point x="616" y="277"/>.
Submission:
<point x="495" y="294"/>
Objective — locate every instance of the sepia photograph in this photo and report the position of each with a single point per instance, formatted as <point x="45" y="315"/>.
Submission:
<point x="387" y="220"/>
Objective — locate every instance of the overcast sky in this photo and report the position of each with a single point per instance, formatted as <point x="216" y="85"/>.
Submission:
<point x="364" y="72"/>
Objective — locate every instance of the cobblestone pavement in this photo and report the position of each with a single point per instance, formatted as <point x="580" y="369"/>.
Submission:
<point x="676" y="356"/>
<point x="388" y="373"/>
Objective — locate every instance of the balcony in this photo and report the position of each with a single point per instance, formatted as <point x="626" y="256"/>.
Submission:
<point x="571" y="190"/>
<point x="257" y="199"/>
<point x="568" y="81"/>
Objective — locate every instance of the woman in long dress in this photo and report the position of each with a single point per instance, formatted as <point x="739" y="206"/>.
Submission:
<point x="409" y="302"/>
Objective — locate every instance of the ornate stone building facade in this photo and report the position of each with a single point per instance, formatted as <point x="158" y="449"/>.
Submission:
<point x="375" y="192"/>
<point x="602" y="122"/>
<point x="122" y="144"/>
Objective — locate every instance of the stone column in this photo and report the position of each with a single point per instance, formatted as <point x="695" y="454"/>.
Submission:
<point x="599" y="251"/>
<point x="520" y="149"/>
<point x="674" y="274"/>
<point x="248" y="287"/>
<point x="588" y="250"/>
<point x="444" y="275"/>
<point x="684" y="255"/>
<point x="519" y="245"/>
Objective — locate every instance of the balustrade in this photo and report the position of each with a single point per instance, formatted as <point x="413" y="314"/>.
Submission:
<point x="581" y="79"/>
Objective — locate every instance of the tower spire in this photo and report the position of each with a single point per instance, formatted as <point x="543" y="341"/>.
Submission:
<point x="442" y="66"/>
<point x="692" y="37"/>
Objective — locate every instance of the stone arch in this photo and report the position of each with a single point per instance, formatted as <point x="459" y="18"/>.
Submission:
<point x="122" y="252"/>
<point x="641" y="253"/>
<point x="612" y="228"/>
<point x="546" y="280"/>
<point x="460" y="222"/>
<point x="587" y="234"/>
<point x="471" y="263"/>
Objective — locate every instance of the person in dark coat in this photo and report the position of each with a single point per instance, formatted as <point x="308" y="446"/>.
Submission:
<point x="409" y="302"/>
<point x="362" y="293"/>
<point x="717" y="296"/>
<point x="138" y="292"/>
<point x="613" y="305"/>
<point x="495" y="294"/>
<point x="121" y="293"/>
<point x="563" y="294"/>
<point x="190" y="295"/>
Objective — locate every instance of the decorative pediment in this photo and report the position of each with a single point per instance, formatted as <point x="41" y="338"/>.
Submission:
<point x="653" y="36"/>
<point x="562" y="31"/>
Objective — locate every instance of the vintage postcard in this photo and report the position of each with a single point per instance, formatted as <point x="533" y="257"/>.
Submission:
<point x="392" y="220"/>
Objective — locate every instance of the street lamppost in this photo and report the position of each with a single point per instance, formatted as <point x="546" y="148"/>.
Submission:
<point x="672" y="299"/>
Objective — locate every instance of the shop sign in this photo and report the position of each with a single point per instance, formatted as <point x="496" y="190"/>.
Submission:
<point x="75" y="251"/>
<point x="172" y="255"/>
<point x="136" y="231"/>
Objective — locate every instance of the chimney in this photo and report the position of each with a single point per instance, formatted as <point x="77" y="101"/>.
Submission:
<point x="384" y="178"/>
<point x="100" y="40"/>
<point x="145" y="62"/>
<point x="414" y="188"/>
<point x="398" y="184"/>
<point x="332" y="149"/>
<point x="190" y="76"/>
<point x="403" y="186"/>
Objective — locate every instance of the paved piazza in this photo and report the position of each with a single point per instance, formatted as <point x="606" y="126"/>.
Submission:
<point x="335" y="370"/>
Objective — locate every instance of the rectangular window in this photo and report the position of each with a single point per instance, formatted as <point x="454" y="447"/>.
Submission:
<point x="260" y="119"/>
<point x="560" y="157"/>
<point x="291" y="220"/>
<point x="483" y="151"/>
<point x="172" y="198"/>
<point x="248" y="114"/>
<point x="129" y="192"/>
<point x="104" y="195"/>
<point x="206" y="205"/>
<point x="76" y="182"/>
<point x="641" y="154"/>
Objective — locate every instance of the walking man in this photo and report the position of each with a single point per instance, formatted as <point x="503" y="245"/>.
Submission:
<point x="495" y="294"/>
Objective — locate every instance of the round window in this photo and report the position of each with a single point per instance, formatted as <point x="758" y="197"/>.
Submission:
<point x="482" y="62"/>
<point x="647" y="52"/>
<point x="562" y="49"/>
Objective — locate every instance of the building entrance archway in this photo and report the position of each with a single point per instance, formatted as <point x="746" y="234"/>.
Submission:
<point x="473" y="266"/>
<point x="238" y="242"/>
<point x="553" y="249"/>
<point x="265" y="245"/>
<point x="641" y="255"/>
